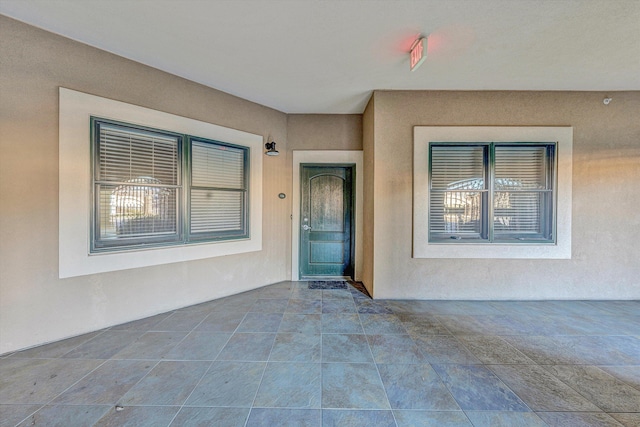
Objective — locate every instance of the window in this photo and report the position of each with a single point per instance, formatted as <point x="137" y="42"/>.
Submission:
<point x="218" y="191"/>
<point x="492" y="192"/>
<point x="77" y="207"/>
<point x="154" y="188"/>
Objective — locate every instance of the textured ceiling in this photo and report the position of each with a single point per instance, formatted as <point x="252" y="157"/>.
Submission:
<point x="308" y="56"/>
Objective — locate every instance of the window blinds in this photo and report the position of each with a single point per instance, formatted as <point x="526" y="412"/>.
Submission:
<point x="127" y="154"/>
<point x="522" y="192"/>
<point x="154" y="187"/>
<point x="136" y="181"/>
<point x="218" y="189"/>
<point x="512" y="183"/>
<point x="457" y="191"/>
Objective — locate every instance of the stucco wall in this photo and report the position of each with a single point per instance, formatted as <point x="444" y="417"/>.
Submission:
<point x="606" y="197"/>
<point x="368" y="132"/>
<point x="36" y="306"/>
<point x="334" y="134"/>
<point x="324" y="131"/>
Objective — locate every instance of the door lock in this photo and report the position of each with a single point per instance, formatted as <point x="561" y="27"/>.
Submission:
<point x="306" y="227"/>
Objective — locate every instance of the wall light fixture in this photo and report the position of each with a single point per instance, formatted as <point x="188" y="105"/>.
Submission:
<point x="271" y="149"/>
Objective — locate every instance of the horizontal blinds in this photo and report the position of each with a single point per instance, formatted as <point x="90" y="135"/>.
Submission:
<point x="456" y="212"/>
<point x="518" y="204"/>
<point x="126" y="154"/>
<point x="458" y="187"/>
<point x="139" y="194"/>
<point x="136" y="179"/>
<point x="131" y="211"/>
<point x="518" y="212"/>
<point x="521" y="184"/>
<point x="216" y="211"/>
<point x="457" y="167"/>
<point x="217" y="197"/>
<point x="520" y="168"/>
<point x="218" y="166"/>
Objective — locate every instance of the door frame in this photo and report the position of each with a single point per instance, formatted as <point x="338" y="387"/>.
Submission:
<point x="349" y="208"/>
<point x="329" y="157"/>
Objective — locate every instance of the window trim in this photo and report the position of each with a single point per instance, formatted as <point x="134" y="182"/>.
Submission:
<point x="75" y="196"/>
<point x="423" y="135"/>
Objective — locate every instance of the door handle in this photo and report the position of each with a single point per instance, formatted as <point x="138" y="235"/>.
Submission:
<point x="306" y="227"/>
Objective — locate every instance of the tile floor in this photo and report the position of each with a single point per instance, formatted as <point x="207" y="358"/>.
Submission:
<point x="287" y="355"/>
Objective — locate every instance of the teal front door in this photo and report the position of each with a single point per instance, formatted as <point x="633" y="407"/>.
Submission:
<point x="326" y="221"/>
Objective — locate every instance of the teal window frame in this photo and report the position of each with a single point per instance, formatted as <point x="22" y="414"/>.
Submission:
<point x="183" y="186"/>
<point x="485" y="190"/>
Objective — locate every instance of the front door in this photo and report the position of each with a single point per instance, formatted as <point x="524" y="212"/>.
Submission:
<point x="326" y="221"/>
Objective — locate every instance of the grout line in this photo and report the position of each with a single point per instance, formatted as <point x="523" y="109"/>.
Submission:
<point x="210" y="364"/>
<point x="266" y="365"/>
<point x="30" y="415"/>
<point x="375" y="363"/>
<point x="326" y="296"/>
<point x="192" y="391"/>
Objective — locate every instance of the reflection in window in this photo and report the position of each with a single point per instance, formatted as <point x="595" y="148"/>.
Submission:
<point x="141" y="209"/>
<point x="519" y="200"/>
<point x="155" y="188"/>
<point x="462" y="208"/>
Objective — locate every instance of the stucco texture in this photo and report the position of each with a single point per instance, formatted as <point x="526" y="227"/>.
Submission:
<point x="36" y="306"/>
<point x="605" y="205"/>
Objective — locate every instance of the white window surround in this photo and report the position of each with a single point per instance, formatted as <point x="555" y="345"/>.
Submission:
<point x="75" y="186"/>
<point x="328" y="157"/>
<point x="423" y="135"/>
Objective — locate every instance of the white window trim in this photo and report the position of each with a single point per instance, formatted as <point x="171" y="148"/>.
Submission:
<point x="75" y="186"/>
<point x="423" y="135"/>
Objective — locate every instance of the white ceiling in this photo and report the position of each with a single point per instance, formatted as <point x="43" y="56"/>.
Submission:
<point x="314" y="56"/>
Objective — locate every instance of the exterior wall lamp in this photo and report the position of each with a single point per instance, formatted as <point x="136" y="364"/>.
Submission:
<point x="271" y="149"/>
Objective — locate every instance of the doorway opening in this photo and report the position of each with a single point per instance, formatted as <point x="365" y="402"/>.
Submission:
<point x="328" y="158"/>
<point x="327" y="226"/>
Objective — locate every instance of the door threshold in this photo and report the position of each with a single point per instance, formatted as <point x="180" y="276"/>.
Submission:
<point x="322" y="278"/>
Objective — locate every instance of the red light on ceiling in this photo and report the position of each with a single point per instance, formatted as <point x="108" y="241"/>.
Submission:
<point x="418" y="53"/>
